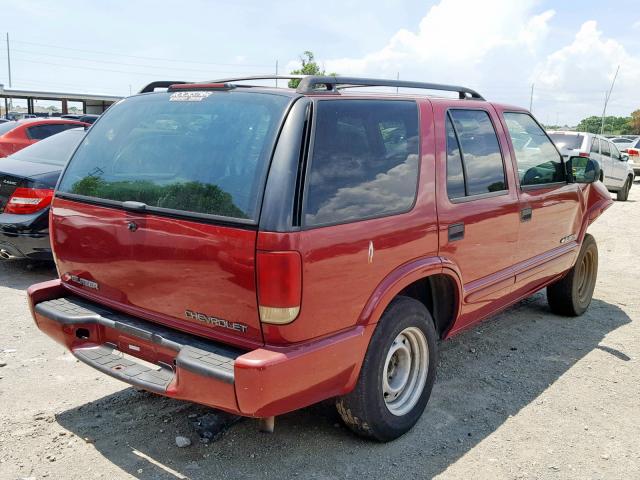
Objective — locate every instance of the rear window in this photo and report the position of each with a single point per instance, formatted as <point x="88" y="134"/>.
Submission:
<point x="206" y="153"/>
<point x="54" y="150"/>
<point x="567" y="140"/>
<point x="41" y="132"/>
<point x="364" y="162"/>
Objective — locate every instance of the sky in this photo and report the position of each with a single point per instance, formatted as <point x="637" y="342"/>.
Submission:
<point x="569" y="50"/>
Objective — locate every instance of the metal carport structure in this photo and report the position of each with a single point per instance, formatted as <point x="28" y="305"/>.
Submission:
<point x="90" y="103"/>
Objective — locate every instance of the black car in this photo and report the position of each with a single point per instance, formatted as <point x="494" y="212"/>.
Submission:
<point x="81" y="117"/>
<point x="88" y="118"/>
<point x="27" y="180"/>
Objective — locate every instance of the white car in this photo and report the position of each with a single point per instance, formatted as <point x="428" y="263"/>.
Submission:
<point x="617" y="173"/>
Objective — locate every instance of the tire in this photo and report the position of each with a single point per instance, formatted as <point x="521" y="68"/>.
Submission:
<point x="403" y="351"/>
<point x="623" y="194"/>
<point x="571" y="295"/>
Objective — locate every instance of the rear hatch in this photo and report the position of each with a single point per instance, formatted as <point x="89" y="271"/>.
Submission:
<point x="157" y="212"/>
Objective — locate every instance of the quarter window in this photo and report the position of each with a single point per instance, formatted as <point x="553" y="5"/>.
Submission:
<point x="364" y="162"/>
<point x="605" y="150"/>
<point x="471" y="136"/>
<point x="538" y="160"/>
<point x="595" y="146"/>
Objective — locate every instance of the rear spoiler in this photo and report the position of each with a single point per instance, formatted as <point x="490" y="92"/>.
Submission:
<point x="160" y="84"/>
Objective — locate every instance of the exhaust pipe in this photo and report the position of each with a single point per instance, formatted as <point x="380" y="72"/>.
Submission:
<point x="5" y="255"/>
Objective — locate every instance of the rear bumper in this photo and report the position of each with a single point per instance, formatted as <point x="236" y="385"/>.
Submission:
<point x="25" y="236"/>
<point x="259" y="383"/>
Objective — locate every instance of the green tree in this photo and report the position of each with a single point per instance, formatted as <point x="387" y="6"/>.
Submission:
<point x="613" y="125"/>
<point x="309" y="67"/>
<point x="634" y="124"/>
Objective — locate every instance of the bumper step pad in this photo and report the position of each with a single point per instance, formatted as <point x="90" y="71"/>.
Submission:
<point x="193" y="353"/>
<point x="112" y="362"/>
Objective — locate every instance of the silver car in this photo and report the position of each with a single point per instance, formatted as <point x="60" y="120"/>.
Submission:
<point x="623" y="142"/>
<point x="617" y="173"/>
<point x="633" y="150"/>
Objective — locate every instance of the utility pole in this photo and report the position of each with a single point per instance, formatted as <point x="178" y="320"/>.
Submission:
<point x="531" y="98"/>
<point x="607" y="96"/>
<point x="9" y="60"/>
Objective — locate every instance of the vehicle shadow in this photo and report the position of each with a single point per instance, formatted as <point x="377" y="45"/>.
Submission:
<point x="485" y="375"/>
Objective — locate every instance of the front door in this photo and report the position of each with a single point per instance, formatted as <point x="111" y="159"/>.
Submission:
<point x="619" y="166"/>
<point x="608" y="167"/>
<point x="550" y="215"/>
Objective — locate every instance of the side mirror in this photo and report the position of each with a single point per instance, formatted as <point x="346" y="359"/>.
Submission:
<point x="624" y="157"/>
<point x="582" y="170"/>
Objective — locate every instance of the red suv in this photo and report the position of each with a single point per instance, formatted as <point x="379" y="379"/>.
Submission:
<point x="261" y="249"/>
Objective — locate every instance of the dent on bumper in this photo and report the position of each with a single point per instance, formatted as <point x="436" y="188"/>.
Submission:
<point x="266" y="381"/>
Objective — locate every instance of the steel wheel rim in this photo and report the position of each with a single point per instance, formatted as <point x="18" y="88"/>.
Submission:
<point x="405" y="371"/>
<point x="585" y="276"/>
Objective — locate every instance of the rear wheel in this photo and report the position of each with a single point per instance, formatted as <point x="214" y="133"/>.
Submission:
<point x="572" y="294"/>
<point x="397" y="374"/>
<point x="623" y="194"/>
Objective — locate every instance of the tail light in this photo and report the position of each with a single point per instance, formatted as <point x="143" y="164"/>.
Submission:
<point x="633" y="152"/>
<point x="584" y="154"/>
<point x="279" y="286"/>
<point x="28" y="200"/>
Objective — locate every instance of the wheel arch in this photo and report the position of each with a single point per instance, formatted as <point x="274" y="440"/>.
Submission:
<point x="427" y="280"/>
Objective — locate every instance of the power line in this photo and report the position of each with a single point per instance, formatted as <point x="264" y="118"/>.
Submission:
<point x="80" y="67"/>
<point x="138" y="56"/>
<point x="48" y="84"/>
<point x="113" y="63"/>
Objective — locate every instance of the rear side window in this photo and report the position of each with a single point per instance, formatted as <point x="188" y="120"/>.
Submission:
<point x="364" y="162"/>
<point x="476" y="142"/>
<point x="198" y="152"/>
<point x="604" y="148"/>
<point x="39" y="132"/>
<point x="538" y="160"/>
<point x="595" y="146"/>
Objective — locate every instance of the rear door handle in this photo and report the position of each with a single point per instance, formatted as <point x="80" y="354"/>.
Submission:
<point x="526" y="214"/>
<point x="456" y="232"/>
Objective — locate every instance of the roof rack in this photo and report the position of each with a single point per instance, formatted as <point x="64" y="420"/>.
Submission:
<point x="260" y="77"/>
<point x="310" y="83"/>
<point x="332" y="84"/>
<point x="160" y="84"/>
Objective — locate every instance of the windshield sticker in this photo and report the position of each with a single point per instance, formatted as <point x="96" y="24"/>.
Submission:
<point x="188" y="96"/>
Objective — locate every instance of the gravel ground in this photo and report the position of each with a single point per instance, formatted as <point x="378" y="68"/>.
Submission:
<point x="524" y="395"/>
